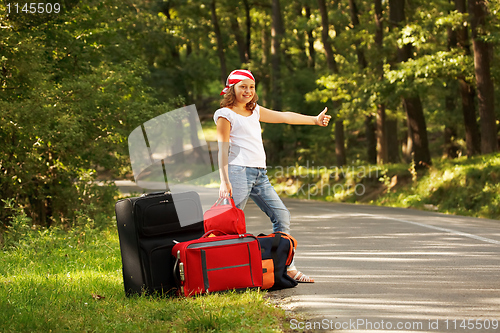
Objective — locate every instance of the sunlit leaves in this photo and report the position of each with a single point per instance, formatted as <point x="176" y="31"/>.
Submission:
<point x="73" y="91"/>
<point x="454" y="20"/>
<point x="427" y="70"/>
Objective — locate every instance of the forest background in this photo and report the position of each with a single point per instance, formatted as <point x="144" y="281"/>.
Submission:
<point x="406" y="81"/>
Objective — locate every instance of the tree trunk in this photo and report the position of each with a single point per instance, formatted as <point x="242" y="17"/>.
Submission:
<point x="332" y="66"/>
<point x="371" y="141"/>
<point x="360" y="54"/>
<point x="381" y="137"/>
<point x="382" y="156"/>
<point x="265" y="79"/>
<point x="472" y="135"/>
<point x="416" y="122"/>
<point x="413" y="106"/>
<point x="240" y="42"/>
<point x="220" y="44"/>
<point x="407" y="148"/>
<point x="301" y="38"/>
<point x="485" y="90"/>
<point x="330" y="60"/>
<point x="450" y="149"/>
<point x="165" y="9"/>
<point x="277" y="31"/>
<point x="311" y="63"/>
<point x="379" y="25"/>
<point x="249" y="30"/>
<point x="467" y="92"/>
<point x="391" y="126"/>
<point x="339" y="143"/>
<point x="355" y="23"/>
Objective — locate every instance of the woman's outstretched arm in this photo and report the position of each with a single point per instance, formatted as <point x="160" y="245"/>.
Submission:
<point x="293" y="118"/>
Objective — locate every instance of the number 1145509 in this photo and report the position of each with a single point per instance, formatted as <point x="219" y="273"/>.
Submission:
<point x="33" y="8"/>
<point x="470" y="325"/>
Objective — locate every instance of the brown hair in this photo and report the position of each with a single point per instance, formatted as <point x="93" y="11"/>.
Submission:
<point x="230" y="99"/>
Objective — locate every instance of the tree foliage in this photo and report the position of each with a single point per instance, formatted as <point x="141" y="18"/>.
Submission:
<point x="73" y="89"/>
<point x="74" y="84"/>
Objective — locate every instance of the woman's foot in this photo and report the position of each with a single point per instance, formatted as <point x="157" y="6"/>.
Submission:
<point x="299" y="276"/>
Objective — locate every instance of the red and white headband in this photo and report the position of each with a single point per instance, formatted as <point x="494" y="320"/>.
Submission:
<point x="235" y="77"/>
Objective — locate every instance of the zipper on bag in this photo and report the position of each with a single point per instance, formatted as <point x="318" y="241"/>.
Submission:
<point x="240" y="240"/>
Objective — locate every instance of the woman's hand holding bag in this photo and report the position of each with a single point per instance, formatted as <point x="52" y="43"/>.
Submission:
<point x="225" y="216"/>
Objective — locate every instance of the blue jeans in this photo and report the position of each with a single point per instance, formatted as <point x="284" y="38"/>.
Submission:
<point x="253" y="183"/>
<point x="248" y="182"/>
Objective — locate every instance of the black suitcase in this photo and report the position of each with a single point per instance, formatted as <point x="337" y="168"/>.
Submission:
<point x="148" y="227"/>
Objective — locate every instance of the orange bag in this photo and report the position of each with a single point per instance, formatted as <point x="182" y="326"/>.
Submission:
<point x="278" y="250"/>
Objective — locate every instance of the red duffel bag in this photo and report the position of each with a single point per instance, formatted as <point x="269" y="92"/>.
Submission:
<point x="226" y="217"/>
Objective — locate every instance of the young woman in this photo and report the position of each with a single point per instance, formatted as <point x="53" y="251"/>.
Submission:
<point x="242" y="159"/>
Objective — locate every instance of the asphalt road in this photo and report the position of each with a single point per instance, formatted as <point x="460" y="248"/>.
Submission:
<point x="379" y="268"/>
<point x="387" y="269"/>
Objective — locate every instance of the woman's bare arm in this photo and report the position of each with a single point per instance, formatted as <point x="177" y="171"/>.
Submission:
<point x="293" y="118"/>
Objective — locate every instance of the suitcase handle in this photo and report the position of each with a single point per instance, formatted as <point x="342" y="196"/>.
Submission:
<point x="222" y="233"/>
<point x="176" y="277"/>
<point x="154" y="193"/>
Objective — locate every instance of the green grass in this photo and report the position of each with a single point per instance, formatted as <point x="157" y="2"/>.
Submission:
<point x="465" y="186"/>
<point x="59" y="281"/>
<point x="469" y="187"/>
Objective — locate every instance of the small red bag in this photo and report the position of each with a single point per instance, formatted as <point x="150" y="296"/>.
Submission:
<point x="225" y="216"/>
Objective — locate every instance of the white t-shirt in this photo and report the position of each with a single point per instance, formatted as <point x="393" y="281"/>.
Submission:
<point x="245" y="138"/>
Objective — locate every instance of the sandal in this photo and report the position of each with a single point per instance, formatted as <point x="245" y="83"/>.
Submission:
<point x="301" y="277"/>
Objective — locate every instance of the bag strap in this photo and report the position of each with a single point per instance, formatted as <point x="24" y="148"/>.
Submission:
<point x="293" y="245"/>
<point x="221" y="202"/>
<point x="275" y="243"/>
<point x="274" y="254"/>
<point x="217" y="203"/>
<point x="293" y="241"/>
